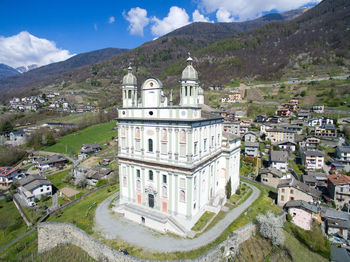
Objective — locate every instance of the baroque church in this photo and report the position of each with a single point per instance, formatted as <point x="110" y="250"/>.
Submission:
<point x="174" y="161"/>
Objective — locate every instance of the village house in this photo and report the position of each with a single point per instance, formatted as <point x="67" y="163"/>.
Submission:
<point x="318" y="109"/>
<point x="283" y="112"/>
<point x="343" y="153"/>
<point x="303" y="114"/>
<point x="339" y="189"/>
<point x="34" y="187"/>
<point x="320" y="121"/>
<point x="303" y="213"/>
<point x="96" y="173"/>
<point x="312" y="159"/>
<point x="279" y="160"/>
<point x="17" y="138"/>
<point x="274" y="119"/>
<point x="52" y="161"/>
<point x="270" y="177"/>
<point x="8" y="175"/>
<point x="250" y="137"/>
<point x="251" y="149"/>
<point x="324" y="131"/>
<point x="315" y="179"/>
<point x="88" y="149"/>
<point x="338" y="227"/>
<point x="309" y="142"/>
<point x="228" y="115"/>
<point x="279" y="135"/>
<point x="292" y="189"/>
<point x="232" y="127"/>
<point x="261" y="118"/>
<point x="286" y="145"/>
<point x="295" y="128"/>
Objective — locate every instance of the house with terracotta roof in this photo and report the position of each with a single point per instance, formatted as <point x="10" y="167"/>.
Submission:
<point x="8" y="175"/>
<point x="293" y="189"/>
<point x="339" y="189"/>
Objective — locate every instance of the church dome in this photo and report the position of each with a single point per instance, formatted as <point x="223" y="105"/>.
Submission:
<point x="130" y="78"/>
<point x="189" y="72"/>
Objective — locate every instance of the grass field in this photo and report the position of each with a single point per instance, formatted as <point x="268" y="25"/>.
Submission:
<point x="57" y="179"/>
<point x="11" y="222"/>
<point x="71" y="144"/>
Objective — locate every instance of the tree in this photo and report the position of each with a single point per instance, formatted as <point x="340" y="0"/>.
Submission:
<point x="228" y="189"/>
<point x="81" y="180"/>
<point x="6" y="127"/>
<point x="270" y="226"/>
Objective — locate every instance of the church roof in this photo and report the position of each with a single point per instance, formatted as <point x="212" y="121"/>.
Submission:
<point x="189" y="72"/>
<point x="130" y="78"/>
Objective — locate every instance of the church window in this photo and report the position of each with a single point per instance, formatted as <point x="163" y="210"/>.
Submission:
<point x="150" y="145"/>
<point x="212" y="141"/>
<point x="203" y="185"/>
<point x="138" y="184"/>
<point x="164" y="191"/>
<point x="137" y="133"/>
<point x="183" y="136"/>
<point x="125" y="181"/>
<point x="190" y="90"/>
<point x="185" y="90"/>
<point x="129" y="95"/>
<point x="164" y="147"/>
<point x="205" y="144"/>
<point x="164" y="179"/>
<point x="182" y="196"/>
<point x="219" y="140"/>
<point x="194" y="206"/>
<point x="164" y="135"/>
<point x="138" y="173"/>
<point x="182" y="182"/>
<point x="195" y="148"/>
<point x="150" y="175"/>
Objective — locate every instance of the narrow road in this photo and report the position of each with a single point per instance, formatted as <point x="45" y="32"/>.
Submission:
<point x="112" y="226"/>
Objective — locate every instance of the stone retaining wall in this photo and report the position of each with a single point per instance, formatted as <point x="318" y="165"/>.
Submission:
<point x="52" y="234"/>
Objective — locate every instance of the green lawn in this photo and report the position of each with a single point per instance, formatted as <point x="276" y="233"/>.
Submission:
<point x="203" y="220"/>
<point x="11" y="222"/>
<point x="57" y="179"/>
<point x="71" y="144"/>
<point x="79" y="213"/>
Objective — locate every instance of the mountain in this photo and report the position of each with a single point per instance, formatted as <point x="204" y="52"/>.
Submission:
<point x="23" y="69"/>
<point x="44" y="72"/>
<point x="6" y="71"/>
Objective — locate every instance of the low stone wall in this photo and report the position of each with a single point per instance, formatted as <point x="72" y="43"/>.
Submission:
<point x="52" y="234"/>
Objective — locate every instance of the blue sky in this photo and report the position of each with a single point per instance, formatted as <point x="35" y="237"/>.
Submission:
<point x="55" y="30"/>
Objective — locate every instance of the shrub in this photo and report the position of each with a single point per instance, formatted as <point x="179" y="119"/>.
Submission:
<point x="228" y="189"/>
<point x="289" y="217"/>
<point x="101" y="182"/>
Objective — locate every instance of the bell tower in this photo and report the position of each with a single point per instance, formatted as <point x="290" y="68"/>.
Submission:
<point x="129" y="89"/>
<point x="189" y="85"/>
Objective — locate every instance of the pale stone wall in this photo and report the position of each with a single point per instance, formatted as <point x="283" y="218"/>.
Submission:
<point x="52" y="234"/>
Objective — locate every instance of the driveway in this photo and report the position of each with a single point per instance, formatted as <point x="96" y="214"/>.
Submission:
<point x="112" y="226"/>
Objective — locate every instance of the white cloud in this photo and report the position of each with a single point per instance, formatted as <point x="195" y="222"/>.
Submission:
<point x="137" y="17"/>
<point x="222" y="15"/>
<point x="111" y="20"/>
<point x="198" y="17"/>
<point x="25" y="49"/>
<point x="177" y="17"/>
<point x="249" y="9"/>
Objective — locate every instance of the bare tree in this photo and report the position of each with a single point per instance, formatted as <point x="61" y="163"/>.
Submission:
<point x="270" y="226"/>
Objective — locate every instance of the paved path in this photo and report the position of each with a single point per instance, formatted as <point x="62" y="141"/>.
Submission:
<point x="113" y="226"/>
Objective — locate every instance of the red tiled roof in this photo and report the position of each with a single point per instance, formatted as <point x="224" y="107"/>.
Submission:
<point x="339" y="179"/>
<point x="5" y="171"/>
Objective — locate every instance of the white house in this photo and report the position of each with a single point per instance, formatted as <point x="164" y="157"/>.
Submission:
<point x="34" y="187"/>
<point x="279" y="160"/>
<point x="174" y="162"/>
<point x="8" y="175"/>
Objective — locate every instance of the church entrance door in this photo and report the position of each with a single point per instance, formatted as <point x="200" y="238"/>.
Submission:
<point x="151" y="200"/>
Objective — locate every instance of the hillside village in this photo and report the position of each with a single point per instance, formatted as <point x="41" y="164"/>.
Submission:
<point x="106" y="164"/>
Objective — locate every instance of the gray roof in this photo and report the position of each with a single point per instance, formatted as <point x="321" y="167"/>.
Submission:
<point x="51" y="159"/>
<point x="339" y="254"/>
<point x="301" y="204"/>
<point x="273" y="171"/>
<point x="338" y="223"/>
<point x="189" y="73"/>
<point x="313" y="153"/>
<point x="327" y="212"/>
<point x="285" y="142"/>
<point x="313" y="177"/>
<point x="282" y="130"/>
<point x="98" y="172"/>
<point x="279" y="156"/>
<point x="230" y="136"/>
<point x="300" y="186"/>
<point x="344" y="149"/>
<point x="33" y="181"/>
<point x="251" y="144"/>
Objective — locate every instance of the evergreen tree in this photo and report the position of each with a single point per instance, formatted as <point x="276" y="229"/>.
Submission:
<point x="228" y="189"/>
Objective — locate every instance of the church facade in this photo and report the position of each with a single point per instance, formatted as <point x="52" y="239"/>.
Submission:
<point x="174" y="162"/>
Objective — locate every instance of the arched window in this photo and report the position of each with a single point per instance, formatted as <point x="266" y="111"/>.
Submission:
<point x="182" y="196"/>
<point x="137" y="133"/>
<point x="129" y="95"/>
<point x="164" y="192"/>
<point x="183" y="136"/>
<point x="190" y="90"/>
<point x="125" y="181"/>
<point x="138" y="184"/>
<point x="164" y="135"/>
<point x="150" y="175"/>
<point x="150" y="145"/>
